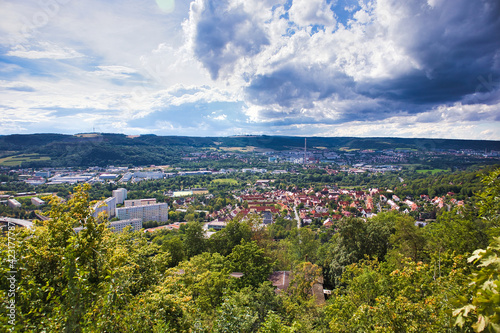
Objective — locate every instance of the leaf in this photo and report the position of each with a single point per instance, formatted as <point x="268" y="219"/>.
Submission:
<point x="481" y="324"/>
<point x="489" y="260"/>
<point x="476" y="255"/>
<point x="466" y="309"/>
<point x="460" y="320"/>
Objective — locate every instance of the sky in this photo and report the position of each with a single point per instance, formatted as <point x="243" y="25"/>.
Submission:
<point x="381" y="68"/>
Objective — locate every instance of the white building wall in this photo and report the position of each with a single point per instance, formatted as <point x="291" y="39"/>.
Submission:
<point x="37" y="201"/>
<point x="156" y="212"/>
<point x="108" y="206"/>
<point x="120" y="195"/>
<point x="118" y="226"/>
<point x="140" y="202"/>
<point x="13" y="203"/>
<point x="111" y="206"/>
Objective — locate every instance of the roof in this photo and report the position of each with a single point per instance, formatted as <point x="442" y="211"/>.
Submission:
<point x="18" y="222"/>
<point x="280" y="279"/>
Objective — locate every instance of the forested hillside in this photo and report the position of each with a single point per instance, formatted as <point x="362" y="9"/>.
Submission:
<point x="54" y="150"/>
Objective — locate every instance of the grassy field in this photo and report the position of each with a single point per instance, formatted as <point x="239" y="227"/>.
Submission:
<point x="247" y="149"/>
<point x="407" y="149"/>
<point x="229" y="181"/>
<point x="433" y="171"/>
<point x="348" y="150"/>
<point x="17" y="160"/>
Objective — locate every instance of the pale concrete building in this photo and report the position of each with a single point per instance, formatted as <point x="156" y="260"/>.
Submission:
<point x="149" y="212"/>
<point x="118" y="226"/>
<point x="13" y="203"/>
<point x="37" y="201"/>
<point x="140" y="202"/>
<point x="120" y="195"/>
<point x="108" y="206"/>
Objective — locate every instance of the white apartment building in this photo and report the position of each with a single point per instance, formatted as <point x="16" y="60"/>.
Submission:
<point x="140" y="202"/>
<point x="118" y="226"/>
<point x="108" y="206"/>
<point x="120" y="195"/>
<point x="153" y="212"/>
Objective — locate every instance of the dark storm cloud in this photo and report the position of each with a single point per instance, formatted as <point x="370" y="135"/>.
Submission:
<point x="455" y="43"/>
<point x="453" y="46"/>
<point x="416" y="88"/>
<point x="224" y="34"/>
<point x="296" y="86"/>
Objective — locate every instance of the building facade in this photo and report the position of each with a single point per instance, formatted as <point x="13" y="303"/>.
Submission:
<point x="13" y="203"/>
<point x="140" y="202"/>
<point x="118" y="226"/>
<point x="153" y="212"/>
<point x="108" y="206"/>
<point x="120" y="195"/>
<point x="37" y="201"/>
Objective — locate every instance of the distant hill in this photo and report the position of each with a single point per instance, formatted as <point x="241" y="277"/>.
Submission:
<point x="90" y="149"/>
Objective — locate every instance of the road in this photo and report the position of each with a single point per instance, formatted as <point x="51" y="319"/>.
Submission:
<point x="296" y="216"/>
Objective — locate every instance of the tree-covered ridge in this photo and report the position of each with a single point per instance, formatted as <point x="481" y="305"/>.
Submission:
<point x="385" y="273"/>
<point x="105" y="149"/>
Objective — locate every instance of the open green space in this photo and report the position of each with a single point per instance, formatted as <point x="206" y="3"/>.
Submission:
<point x="17" y="160"/>
<point x="247" y="149"/>
<point x="432" y="171"/>
<point x="228" y="181"/>
<point x="406" y="149"/>
<point x="348" y="150"/>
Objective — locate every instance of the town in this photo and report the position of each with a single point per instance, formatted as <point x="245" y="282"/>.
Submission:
<point x="270" y="197"/>
<point x="229" y="229"/>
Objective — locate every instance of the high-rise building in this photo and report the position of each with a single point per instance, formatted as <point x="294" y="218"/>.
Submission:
<point x="120" y="195"/>
<point x="118" y="226"/>
<point x="153" y="212"/>
<point x="140" y="202"/>
<point x="108" y="206"/>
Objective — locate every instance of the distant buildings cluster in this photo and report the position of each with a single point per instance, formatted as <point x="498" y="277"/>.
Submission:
<point x="133" y="210"/>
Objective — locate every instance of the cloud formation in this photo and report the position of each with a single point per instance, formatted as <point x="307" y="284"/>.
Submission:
<point x="223" y="33"/>
<point x="391" y="57"/>
<point x="419" y="68"/>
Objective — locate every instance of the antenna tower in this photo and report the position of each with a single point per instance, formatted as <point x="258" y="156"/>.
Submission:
<point x="305" y="149"/>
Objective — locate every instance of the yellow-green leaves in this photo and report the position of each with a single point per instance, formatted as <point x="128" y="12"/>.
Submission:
<point x="485" y="287"/>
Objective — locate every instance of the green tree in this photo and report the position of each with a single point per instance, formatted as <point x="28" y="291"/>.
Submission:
<point x="233" y="234"/>
<point x="484" y="307"/>
<point x="249" y="259"/>
<point x="194" y="239"/>
<point x="489" y="202"/>
<point x="245" y="310"/>
<point x="175" y="247"/>
<point x="303" y="244"/>
<point x="408" y="240"/>
<point x="61" y="269"/>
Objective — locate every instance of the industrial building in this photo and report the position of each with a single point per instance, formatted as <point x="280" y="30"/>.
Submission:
<point x="13" y="203"/>
<point x="37" y="201"/>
